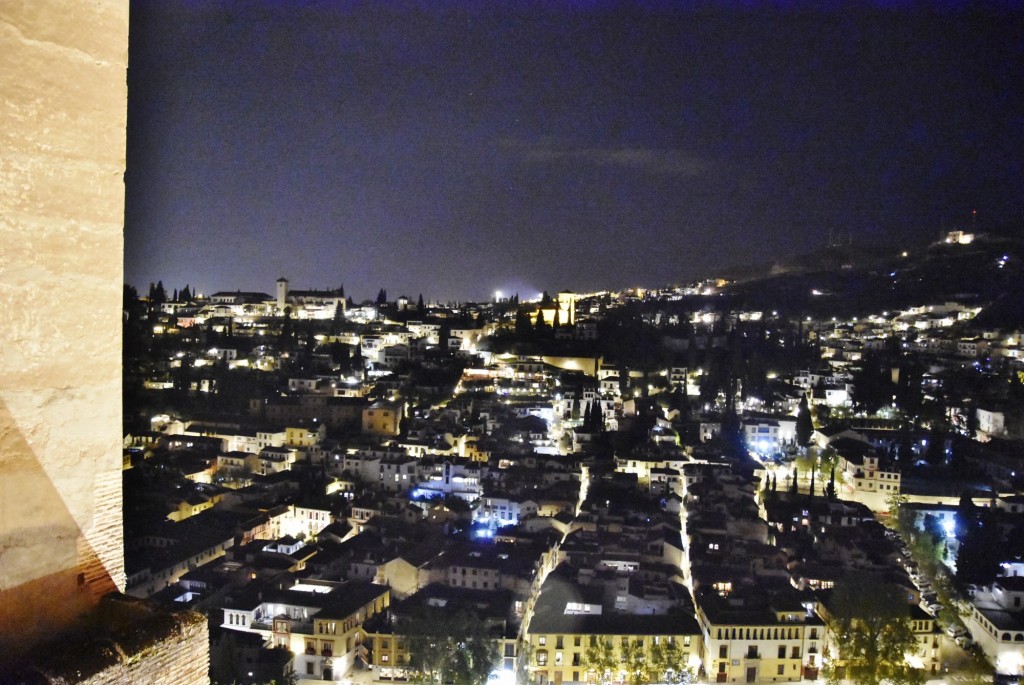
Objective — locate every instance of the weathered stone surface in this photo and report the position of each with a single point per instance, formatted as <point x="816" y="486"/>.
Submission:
<point x="64" y="105"/>
<point x="124" y="641"/>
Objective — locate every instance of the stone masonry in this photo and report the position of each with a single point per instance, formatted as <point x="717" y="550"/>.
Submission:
<point x="64" y="102"/>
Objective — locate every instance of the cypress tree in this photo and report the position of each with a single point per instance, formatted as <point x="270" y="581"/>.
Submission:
<point x="830" y="489"/>
<point x="523" y="327"/>
<point x="804" y="425"/>
<point x="540" y="326"/>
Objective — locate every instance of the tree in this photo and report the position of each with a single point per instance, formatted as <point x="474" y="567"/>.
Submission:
<point x="804" y="425"/>
<point x="982" y="547"/>
<point x="830" y="489"/>
<point x="966" y="515"/>
<point x="935" y="454"/>
<point x="338" y="319"/>
<point x="668" y="666"/>
<point x="933" y="528"/>
<point x="595" y="422"/>
<point x="599" y="660"/>
<point x="637" y="668"/>
<point x="287" y="330"/>
<point x="540" y="326"/>
<point x="895" y="502"/>
<point x="641" y="659"/>
<point x="828" y="458"/>
<point x="157" y="294"/>
<point x="523" y="327"/>
<point x="448" y="648"/>
<point x="870" y="622"/>
<point x="872" y="384"/>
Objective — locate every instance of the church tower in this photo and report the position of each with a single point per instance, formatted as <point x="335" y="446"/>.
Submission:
<point x="282" y="293"/>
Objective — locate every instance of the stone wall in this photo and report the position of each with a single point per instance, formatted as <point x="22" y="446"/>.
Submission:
<point x="182" y="658"/>
<point x="124" y="640"/>
<point x="64" y="103"/>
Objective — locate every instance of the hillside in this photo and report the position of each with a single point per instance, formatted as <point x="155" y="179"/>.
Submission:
<point x="847" y="280"/>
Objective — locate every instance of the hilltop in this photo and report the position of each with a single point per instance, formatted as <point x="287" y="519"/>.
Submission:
<point x="849" y="280"/>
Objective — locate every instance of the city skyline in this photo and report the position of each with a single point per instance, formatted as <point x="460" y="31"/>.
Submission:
<point x="457" y="152"/>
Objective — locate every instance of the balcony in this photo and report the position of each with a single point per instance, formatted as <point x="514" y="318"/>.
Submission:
<point x="752" y="655"/>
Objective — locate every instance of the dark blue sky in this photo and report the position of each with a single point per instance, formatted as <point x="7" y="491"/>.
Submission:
<point x="454" y="149"/>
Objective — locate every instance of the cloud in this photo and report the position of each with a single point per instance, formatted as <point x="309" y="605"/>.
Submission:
<point x="670" y="162"/>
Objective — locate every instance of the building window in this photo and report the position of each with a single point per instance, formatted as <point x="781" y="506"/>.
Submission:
<point x="542" y="640"/>
<point x="723" y="651"/>
<point x="781" y="669"/>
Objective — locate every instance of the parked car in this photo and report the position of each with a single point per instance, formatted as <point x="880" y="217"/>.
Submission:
<point x="955" y="631"/>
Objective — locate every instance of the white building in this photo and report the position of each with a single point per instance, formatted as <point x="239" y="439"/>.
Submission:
<point x="996" y="623"/>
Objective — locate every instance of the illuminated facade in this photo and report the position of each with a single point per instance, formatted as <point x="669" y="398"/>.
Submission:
<point x="319" y="622"/>
<point x="746" y="644"/>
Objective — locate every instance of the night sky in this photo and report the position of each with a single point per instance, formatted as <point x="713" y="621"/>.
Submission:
<point x="455" y="149"/>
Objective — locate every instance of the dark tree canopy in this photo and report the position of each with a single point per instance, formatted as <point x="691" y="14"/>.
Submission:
<point x="873" y="633"/>
<point x="448" y="647"/>
<point x="804" y="425"/>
